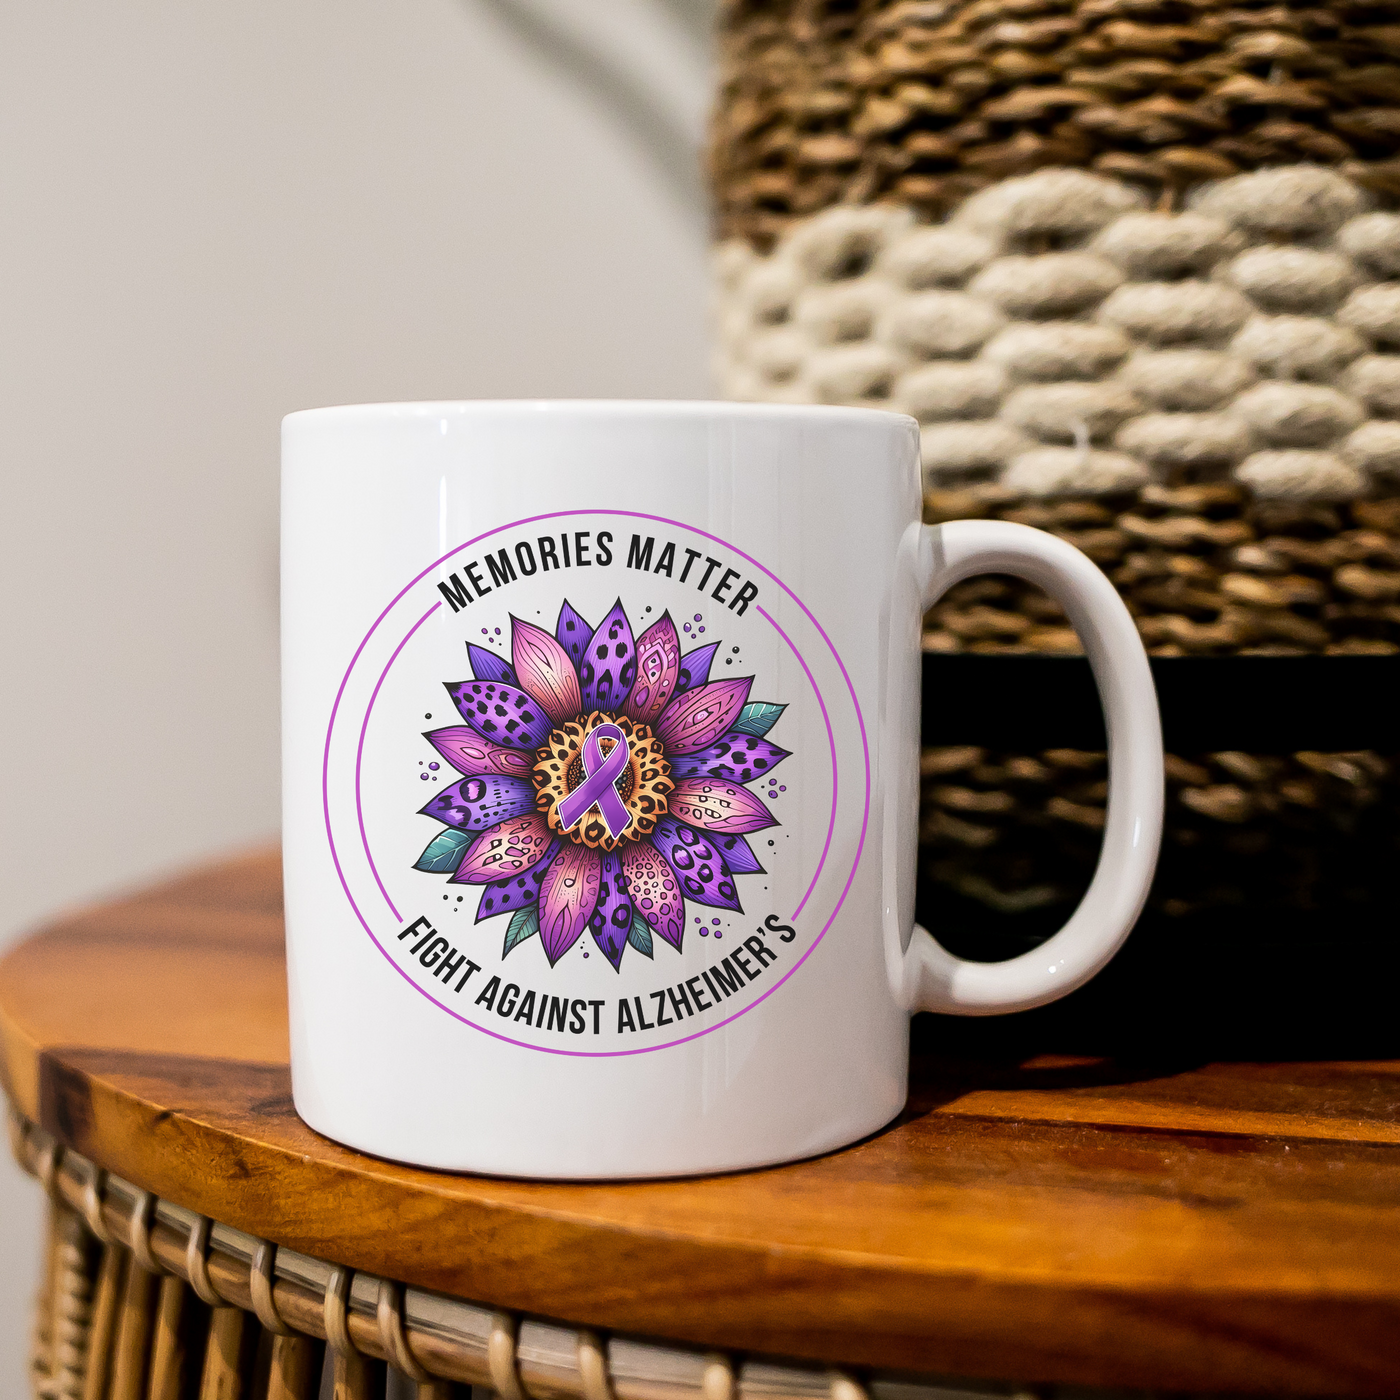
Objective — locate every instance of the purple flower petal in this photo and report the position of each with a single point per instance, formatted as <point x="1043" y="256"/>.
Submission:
<point x="501" y="713"/>
<point x="509" y="848"/>
<point x="609" y="664"/>
<point x="695" y="668"/>
<point x="658" y="664"/>
<point x="652" y="888"/>
<point x="612" y="915"/>
<point x="738" y="757"/>
<point x="698" y="718"/>
<point x="520" y="891"/>
<point x="698" y="865"/>
<point x="572" y="633"/>
<point x="568" y="894"/>
<point x="476" y="803"/>
<point x="738" y="855"/>
<point x="544" y="670"/>
<point x="487" y="666"/>
<point x="469" y="753"/>
<point x="717" y="806"/>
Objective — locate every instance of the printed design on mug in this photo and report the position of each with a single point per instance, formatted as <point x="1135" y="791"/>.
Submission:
<point x="604" y="785"/>
<point x="595" y="783"/>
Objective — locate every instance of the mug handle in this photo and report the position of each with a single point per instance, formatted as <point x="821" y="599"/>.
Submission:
<point x="935" y="979"/>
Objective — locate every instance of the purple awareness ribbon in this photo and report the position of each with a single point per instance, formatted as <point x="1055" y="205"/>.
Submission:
<point x="600" y="774"/>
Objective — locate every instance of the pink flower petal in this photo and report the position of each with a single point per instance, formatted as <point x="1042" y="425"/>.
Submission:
<point x="658" y="665"/>
<point x="652" y="888"/>
<point x="699" y="717"/>
<point x="568" y="894"/>
<point x="509" y="848"/>
<point x="543" y="669"/>
<point x="476" y="757"/>
<point x="715" y="805"/>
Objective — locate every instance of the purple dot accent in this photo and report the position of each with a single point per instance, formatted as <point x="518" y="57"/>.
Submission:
<point x="704" y="933"/>
<point x="498" y="633"/>
<point x="782" y="788"/>
<point x="687" y="627"/>
<point x="699" y="629"/>
<point x="585" y="955"/>
<point x="718" y="934"/>
<point x="433" y="767"/>
<point x="424" y="777"/>
<point x="483" y="631"/>
<point x="714" y="921"/>
<point x="699" y="616"/>
<point x="772" y="794"/>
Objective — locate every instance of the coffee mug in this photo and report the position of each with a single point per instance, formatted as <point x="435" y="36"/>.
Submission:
<point x="601" y="779"/>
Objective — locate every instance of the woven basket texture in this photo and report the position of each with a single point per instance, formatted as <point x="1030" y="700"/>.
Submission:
<point x="927" y="101"/>
<point x="1134" y="265"/>
<point x="1207" y="401"/>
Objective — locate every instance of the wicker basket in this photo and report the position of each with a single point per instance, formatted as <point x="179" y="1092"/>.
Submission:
<point x="1135" y="267"/>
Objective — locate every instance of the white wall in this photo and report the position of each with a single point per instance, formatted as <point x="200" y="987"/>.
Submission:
<point x="210" y="216"/>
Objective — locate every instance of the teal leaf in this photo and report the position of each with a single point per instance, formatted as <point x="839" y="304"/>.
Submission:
<point x="524" y="923"/>
<point x="639" y="936"/>
<point x="445" y="851"/>
<point x="757" y="718"/>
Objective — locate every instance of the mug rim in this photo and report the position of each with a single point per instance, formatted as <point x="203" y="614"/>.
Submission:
<point x="411" y="410"/>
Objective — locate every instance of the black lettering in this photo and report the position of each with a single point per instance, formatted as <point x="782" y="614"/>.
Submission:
<point x="641" y="1019"/>
<point x="420" y="921"/>
<point x="510" y="994"/>
<point x="691" y="555"/>
<point x="597" y="1012"/>
<point x="639" y="554"/>
<point x="564" y="540"/>
<point x="577" y="1023"/>
<point x="624" y="1016"/>
<point x="746" y="594"/>
<point x="711" y="986"/>
<point x="558" y="1011"/>
<point x="422" y="942"/>
<point x="722" y="587"/>
<point x="700" y="1003"/>
<point x="761" y="951"/>
<point x="581" y="548"/>
<point x="714" y="564"/>
<point x="784" y="931"/>
<point x="451" y="961"/>
<point x="726" y="977"/>
<point x="526" y="1011"/>
<point x="662" y="1019"/>
<point x="455" y="591"/>
<point x="487" y="995"/>
<point x="526" y="560"/>
<point x="666" y="563"/>
<point x="742" y="963"/>
<point x="735" y="967"/>
<point x="680" y="1003"/>
<point x="473" y="572"/>
<point x="471" y="967"/>
<point x="432" y="954"/>
<point x="548" y="558"/>
<point x="502" y="570"/>
<point x="604" y="553"/>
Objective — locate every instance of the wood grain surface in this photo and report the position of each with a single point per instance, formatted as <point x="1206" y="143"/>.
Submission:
<point x="1033" y="1215"/>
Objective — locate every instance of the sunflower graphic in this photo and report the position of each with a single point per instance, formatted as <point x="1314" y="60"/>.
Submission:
<point x="603" y="784"/>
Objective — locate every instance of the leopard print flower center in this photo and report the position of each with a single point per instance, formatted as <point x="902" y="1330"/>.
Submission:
<point x="642" y="788"/>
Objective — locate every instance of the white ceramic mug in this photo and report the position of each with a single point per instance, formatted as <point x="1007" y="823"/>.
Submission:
<point x="601" y="741"/>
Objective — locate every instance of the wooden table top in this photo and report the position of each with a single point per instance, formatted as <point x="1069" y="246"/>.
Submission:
<point x="1032" y="1216"/>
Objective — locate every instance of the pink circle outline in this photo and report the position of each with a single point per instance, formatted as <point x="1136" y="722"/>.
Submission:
<point x="624" y="514"/>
